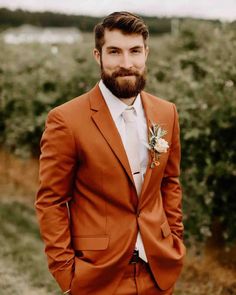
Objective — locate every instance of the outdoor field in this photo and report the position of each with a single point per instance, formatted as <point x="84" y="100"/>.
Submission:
<point x="194" y="68"/>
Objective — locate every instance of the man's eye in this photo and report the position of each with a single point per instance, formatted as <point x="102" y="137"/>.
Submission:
<point x="113" y="52"/>
<point x="136" y="51"/>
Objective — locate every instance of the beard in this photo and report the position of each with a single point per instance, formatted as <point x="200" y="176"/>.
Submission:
<point x="125" y="88"/>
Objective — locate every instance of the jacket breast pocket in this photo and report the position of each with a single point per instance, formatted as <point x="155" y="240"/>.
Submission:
<point x="87" y="243"/>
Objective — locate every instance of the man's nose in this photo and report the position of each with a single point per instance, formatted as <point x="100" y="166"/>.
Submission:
<point x="126" y="61"/>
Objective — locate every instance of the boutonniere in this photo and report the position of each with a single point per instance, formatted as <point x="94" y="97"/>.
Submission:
<point x="157" y="145"/>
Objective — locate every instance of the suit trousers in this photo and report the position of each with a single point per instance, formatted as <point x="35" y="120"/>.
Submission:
<point x="138" y="280"/>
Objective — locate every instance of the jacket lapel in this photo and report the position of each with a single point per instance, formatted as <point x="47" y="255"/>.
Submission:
<point x="150" y="118"/>
<point x="104" y="122"/>
<point x="154" y="114"/>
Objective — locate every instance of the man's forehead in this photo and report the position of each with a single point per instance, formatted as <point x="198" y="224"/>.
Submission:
<point x="116" y="38"/>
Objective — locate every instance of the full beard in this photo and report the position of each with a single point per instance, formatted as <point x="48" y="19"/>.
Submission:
<point x="125" y="88"/>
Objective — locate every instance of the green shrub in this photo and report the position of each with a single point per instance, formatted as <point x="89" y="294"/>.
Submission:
<point x="201" y="80"/>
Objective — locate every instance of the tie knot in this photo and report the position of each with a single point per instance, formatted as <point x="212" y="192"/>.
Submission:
<point x="129" y="115"/>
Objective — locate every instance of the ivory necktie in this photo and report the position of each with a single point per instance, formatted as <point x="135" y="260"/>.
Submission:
<point x="132" y="143"/>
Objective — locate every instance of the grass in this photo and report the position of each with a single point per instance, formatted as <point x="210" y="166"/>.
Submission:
<point x="22" y="252"/>
<point x="23" y="267"/>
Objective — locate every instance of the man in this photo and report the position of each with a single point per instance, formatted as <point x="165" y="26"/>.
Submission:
<point x="109" y="202"/>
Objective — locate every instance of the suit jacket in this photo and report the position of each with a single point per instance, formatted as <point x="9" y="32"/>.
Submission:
<point x="88" y="209"/>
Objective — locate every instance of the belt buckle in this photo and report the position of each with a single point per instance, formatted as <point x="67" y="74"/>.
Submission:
<point x="135" y="257"/>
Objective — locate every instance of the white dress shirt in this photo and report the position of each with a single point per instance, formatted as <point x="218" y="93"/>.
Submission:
<point x="116" y="108"/>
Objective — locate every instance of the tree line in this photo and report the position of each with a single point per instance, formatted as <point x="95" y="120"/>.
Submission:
<point x="9" y="18"/>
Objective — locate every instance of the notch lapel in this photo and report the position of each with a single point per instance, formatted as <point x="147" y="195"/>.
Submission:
<point x="154" y="113"/>
<point x="148" y="110"/>
<point x="104" y="122"/>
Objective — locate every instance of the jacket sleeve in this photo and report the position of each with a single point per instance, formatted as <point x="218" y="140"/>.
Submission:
<point x="170" y="186"/>
<point x="56" y="173"/>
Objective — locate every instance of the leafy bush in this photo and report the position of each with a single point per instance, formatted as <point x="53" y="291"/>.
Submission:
<point x="199" y="75"/>
<point x="195" y="69"/>
<point x="34" y="79"/>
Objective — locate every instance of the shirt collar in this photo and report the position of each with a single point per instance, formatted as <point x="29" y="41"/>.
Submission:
<point x="115" y="105"/>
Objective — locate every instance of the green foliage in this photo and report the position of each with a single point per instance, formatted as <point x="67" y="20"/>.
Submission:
<point x="198" y="73"/>
<point x="195" y="69"/>
<point x="33" y="81"/>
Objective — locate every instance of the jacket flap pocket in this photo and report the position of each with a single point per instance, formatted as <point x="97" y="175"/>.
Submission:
<point x="165" y="229"/>
<point x="90" y="243"/>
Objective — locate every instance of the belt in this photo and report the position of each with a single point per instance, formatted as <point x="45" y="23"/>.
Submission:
<point x="135" y="257"/>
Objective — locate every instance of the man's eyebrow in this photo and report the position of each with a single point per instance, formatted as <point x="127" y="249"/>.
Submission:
<point x="137" y="47"/>
<point x="112" y="47"/>
<point x="134" y="47"/>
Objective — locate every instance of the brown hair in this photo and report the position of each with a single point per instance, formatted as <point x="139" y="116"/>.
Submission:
<point x="127" y="22"/>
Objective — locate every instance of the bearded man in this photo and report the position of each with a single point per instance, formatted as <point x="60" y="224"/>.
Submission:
<point x="109" y="201"/>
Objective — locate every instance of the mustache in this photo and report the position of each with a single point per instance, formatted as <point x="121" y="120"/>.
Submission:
<point x="125" y="72"/>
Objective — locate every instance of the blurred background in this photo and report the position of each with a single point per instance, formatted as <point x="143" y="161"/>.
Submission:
<point x="46" y="59"/>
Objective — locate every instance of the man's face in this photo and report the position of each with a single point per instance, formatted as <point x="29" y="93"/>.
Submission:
<point x="122" y="62"/>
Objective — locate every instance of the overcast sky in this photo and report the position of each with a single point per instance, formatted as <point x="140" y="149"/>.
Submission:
<point x="216" y="9"/>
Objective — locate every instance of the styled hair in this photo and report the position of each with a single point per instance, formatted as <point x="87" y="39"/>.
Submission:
<point x="124" y="21"/>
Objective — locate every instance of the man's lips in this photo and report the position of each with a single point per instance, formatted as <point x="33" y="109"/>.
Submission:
<point x="125" y="76"/>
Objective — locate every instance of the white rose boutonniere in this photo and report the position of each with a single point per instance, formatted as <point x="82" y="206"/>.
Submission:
<point x="157" y="145"/>
<point x="161" y="145"/>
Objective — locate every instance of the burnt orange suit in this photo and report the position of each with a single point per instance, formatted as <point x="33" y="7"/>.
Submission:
<point x="87" y="205"/>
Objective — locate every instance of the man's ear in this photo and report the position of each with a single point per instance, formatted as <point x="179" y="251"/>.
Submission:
<point x="97" y="55"/>
<point x="146" y="52"/>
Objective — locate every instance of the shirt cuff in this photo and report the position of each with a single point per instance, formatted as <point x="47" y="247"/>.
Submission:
<point x="67" y="292"/>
